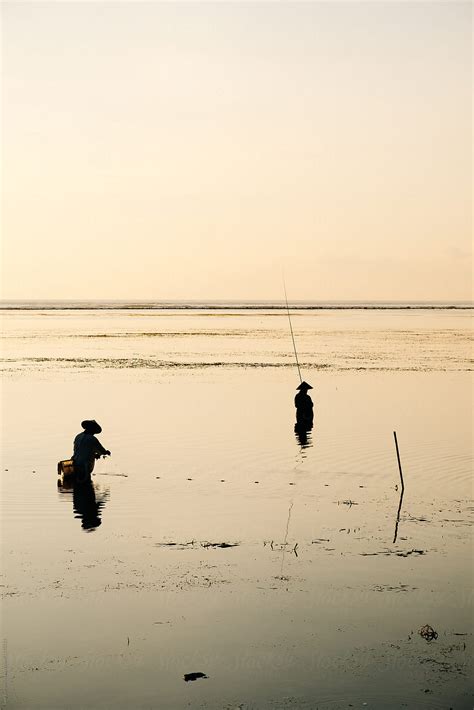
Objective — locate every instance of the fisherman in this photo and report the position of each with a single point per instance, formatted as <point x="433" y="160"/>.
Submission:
<point x="304" y="405"/>
<point x="87" y="448"/>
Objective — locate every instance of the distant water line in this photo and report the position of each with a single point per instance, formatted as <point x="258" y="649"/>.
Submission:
<point x="231" y="305"/>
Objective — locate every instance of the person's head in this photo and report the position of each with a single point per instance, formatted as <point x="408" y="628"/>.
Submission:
<point x="90" y="426"/>
<point x="304" y="387"/>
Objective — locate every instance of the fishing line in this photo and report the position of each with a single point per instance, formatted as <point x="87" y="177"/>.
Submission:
<point x="291" y="331"/>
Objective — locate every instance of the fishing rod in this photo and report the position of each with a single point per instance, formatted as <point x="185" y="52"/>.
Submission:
<point x="291" y="331"/>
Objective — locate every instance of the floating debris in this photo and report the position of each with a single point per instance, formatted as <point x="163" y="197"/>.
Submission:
<point x="180" y="545"/>
<point x="392" y="552"/>
<point x="195" y="544"/>
<point x="428" y="633"/>
<point x="194" y="676"/>
<point x="410" y="552"/>
<point x="389" y="588"/>
<point x="220" y="544"/>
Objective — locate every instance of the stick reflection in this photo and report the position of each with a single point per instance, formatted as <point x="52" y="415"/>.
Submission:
<point x="402" y="491"/>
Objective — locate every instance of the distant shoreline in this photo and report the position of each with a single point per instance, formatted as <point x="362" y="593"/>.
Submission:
<point x="230" y="306"/>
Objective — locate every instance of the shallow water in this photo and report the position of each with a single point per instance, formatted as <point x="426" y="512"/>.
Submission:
<point x="315" y="605"/>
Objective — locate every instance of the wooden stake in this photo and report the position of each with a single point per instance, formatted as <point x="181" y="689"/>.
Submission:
<point x="402" y="490"/>
<point x="398" y="459"/>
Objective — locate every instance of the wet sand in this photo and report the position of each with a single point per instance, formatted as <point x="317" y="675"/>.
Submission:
<point x="311" y="604"/>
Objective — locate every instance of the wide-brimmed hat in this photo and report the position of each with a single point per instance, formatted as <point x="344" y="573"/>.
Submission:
<point x="304" y="386"/>
<point x="91" y="426"/>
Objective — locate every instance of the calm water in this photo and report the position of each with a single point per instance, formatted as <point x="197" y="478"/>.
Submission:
<point x="315" y="606"/>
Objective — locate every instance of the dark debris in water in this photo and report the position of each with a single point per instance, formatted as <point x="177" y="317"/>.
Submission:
<point x="285" y="546"/>
<point x="194" y="676"/>
<point x="220" y="544"/>
<point x="387" y="553"/>
<point x="390" y="588"/>
<point x="195" y="543"/>
<point x="428" y="633"/>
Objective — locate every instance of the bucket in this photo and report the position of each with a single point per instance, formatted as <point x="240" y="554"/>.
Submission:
<point x="66" y="468"/>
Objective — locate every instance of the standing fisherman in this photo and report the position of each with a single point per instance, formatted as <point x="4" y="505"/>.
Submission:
<point x="304" y="406"/>
<point x="87" y="448"/>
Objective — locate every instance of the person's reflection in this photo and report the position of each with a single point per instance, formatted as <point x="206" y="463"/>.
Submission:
<point x="87" y="506"/>
<point x="87" y="500"/>
<point x="303" y="434"/>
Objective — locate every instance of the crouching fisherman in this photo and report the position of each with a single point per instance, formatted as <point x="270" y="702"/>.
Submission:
<point x="87" y="448"/>
<point x="304" y="405"/>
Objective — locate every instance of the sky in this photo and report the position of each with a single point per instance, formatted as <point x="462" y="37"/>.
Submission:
<point x="198" y="150"/>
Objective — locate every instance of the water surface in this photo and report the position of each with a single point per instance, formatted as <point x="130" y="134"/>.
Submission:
<point x="312" y="604"/>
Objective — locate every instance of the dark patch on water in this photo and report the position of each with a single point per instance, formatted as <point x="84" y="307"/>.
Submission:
<point x="194" y="676"/>
<point x="195" y="544"/>
<point x="393" y="552"/>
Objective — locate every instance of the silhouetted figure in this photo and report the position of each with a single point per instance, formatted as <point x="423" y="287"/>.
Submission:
<point x="86" y="506"/>
<point x="87" y="448"/>
<point x="304" y="406"/>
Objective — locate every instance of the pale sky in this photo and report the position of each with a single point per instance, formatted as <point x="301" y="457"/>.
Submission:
<point x="194" y="150"/>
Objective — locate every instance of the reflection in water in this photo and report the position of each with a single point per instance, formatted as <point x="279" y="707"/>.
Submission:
<point x="402" y="491"/>
<point x="87" y="501"/>
<point x="285" y="541"/>
<point x="87" y="506"/>
<point x="303" y="436"/>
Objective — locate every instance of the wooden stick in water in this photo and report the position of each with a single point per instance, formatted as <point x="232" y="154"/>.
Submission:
<point x="402" y="490"/>
<point x="398" y="459"/>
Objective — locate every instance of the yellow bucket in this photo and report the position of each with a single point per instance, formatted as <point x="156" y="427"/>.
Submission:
<point x="66" y="468"/>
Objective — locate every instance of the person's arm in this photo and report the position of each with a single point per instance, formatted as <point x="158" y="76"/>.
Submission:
<point x="99" y="449"/>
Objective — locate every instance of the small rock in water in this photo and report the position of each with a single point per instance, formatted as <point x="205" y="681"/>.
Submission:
<point x="194" y="676"/>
